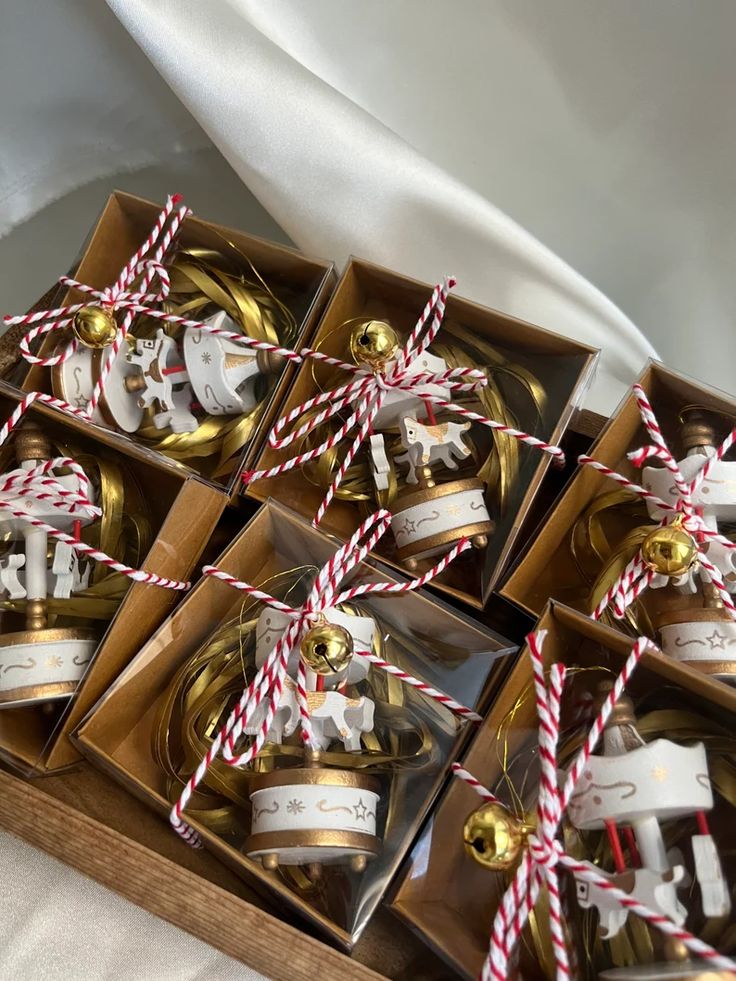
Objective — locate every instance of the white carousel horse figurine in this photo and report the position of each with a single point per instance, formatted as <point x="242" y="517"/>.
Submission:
<point x="425" y="443"/>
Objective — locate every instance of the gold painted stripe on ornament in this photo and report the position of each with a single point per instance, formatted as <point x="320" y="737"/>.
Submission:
<point x="321" y="776"/>
<point x="271" y="841"/>
<point x="410" y="498"/>
<point x="39" y="693"/>
<point x="445" y="538"/>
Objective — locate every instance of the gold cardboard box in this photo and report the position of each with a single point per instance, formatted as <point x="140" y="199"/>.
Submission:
<point x="183" y="511"/>
<point x="564" y="366"/>
<point x="443" y="894"/>
<point x="304" y="284"/>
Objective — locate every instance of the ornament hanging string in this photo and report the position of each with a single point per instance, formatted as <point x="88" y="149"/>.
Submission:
<point x="268" y="684"/>
<point x="637" y="576"/>
<point x="365" y="395"/>
<point x="545" y="855"/>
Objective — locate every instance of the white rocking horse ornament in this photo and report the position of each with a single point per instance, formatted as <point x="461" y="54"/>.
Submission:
<point x="426" y="443"/>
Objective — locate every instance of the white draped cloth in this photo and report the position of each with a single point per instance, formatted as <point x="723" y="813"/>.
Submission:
<point x="433" y="136"/>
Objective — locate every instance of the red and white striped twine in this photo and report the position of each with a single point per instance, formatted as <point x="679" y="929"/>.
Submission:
<point x="545" y="854"/>
<point x="421" y="686"/>
<point x="638" y="576"/>
<point x="367" y="393"/>
<point x="268" y="683"/>
<point x="145" y="267"/>
<point x="40" y="483"/>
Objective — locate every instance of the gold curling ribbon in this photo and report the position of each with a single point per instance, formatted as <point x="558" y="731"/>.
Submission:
<point x="202" y="282"/>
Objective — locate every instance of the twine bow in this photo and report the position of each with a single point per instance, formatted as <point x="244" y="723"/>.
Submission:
<point x="268" y="683"/>
<point x="638" y="576"/>
<point x="366" y="394"/>
<point x="544" y="856"/>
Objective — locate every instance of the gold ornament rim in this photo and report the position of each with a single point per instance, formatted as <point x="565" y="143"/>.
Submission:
<point x="676" y="617"/>
<point x="417" y="548"/>
<point x="705" y="973"/>
<point x="710" y="667"/>
<point x="46" y="635"/>
<point x="409" y="498"/>
<point x="41" y="693"/>
<point x="103" y="405"/>
<point x="270" y="841"/>
<point x="322" y="776"/>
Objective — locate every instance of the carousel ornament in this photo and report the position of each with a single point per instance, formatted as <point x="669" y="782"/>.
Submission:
<point x="668" y="781"/>
<point x="638" y="785"/>
<point x="210" y="369"/>
<point x="400" y="387"/>
<point x="100" y="372"/>
<point x="686" y="558"/>
<point x="42" y="663"/>
<point x="428" y="519"/>
<point x="316" y="814"/>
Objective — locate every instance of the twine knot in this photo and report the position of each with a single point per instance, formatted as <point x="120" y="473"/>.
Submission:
<point x="545" y="854"/>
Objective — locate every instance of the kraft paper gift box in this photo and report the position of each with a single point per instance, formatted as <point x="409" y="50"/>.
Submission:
<point x="444" y="895"/>
<point x="563" y="366"/>
<point x="181" y="512"/>
<point x="425" y="638"/>
<point x="553" y="565"/>
<point x="301" y="283"/>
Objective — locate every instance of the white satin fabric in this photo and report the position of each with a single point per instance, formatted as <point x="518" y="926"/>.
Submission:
<point x="56" y="925"/>
<point x="321" y="108"/>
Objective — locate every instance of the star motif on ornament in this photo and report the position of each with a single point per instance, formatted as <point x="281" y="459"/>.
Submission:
<point x="360" y="810"/>
<point x="716" y="641"/>
<point x="410" y="527"/>
<point x="80" y="402"/>
<point x="54" y="661"/>
<point x="660" y="774"/>
<point x="206" y="358"/>
<point x="295" y="806"/>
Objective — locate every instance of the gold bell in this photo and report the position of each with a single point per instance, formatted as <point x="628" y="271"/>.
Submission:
<point x="94" y="327"/>
<point x="327" y="648"/>
<point x="373" y="342"/>
<point x="669" y="551"/>
<point x="494" y="837"/>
